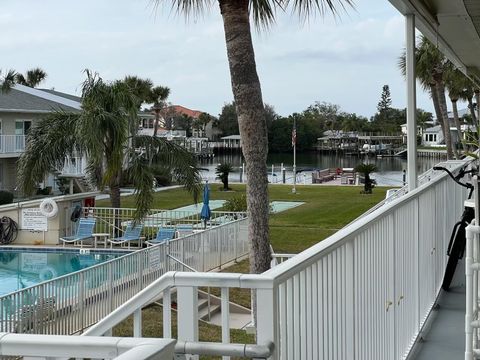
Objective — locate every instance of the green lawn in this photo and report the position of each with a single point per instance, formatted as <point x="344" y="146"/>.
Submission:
<point x="326" y="209"/>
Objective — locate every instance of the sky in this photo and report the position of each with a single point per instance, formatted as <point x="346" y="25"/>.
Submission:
<point x="344" y="60"/>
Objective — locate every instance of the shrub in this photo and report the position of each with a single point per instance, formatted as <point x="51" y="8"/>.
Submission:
<point x="163" y="176"/>
<point x="6" y="197"/>
<point x="63" y="185"/>
<point x="222" y="171"/>
<point x="236" y="203"/>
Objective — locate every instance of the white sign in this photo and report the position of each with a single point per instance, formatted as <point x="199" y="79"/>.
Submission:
<point x="154" y="259"/>
<point x="33" y="219"/>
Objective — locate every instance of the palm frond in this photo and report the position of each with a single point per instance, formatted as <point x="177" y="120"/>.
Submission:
<point x="49" y="141"/>
<point x="35" y="77"/>
<point x="181" y="162"/>
<point x="305" y="8"/>
<point x="189" y="8"/>
<point x="8" y="80"/>
<point x="263" y="12"/>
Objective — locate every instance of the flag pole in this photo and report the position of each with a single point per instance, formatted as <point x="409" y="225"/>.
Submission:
<point x="294" y="143"/>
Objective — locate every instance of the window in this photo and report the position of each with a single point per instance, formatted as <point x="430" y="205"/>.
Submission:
<point x="22" y="128"/>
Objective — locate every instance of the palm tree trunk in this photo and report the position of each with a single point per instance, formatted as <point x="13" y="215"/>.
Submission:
<point x="477" y="98"/>
<point x="457" y="123"/>
<point x="115" y="192"/>
<point x="157" y="120"/>
<point x="442" y="103"/>
<point x="472" y="111"/>
<point x="252" y="124"/>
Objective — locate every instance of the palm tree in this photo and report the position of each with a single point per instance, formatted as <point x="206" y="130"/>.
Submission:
<point x="101" y="132"/>
<point x="248" y="99"/>
<point x="222" y="171"/>
<point x="366" y="170"/>
<point x="158" y="95"/>
<point x="430" y="66"/>
<point x="457" y="84"/>
<point x="7" y="81"/>
<point x="32" y="78"/>
<point x="141" y="89"/>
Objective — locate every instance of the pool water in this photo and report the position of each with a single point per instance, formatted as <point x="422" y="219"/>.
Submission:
<point x="279" y="206"/>
<point x="20" y="269"/>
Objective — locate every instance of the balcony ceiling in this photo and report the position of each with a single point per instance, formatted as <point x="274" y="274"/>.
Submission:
<point x="452" y="24"/>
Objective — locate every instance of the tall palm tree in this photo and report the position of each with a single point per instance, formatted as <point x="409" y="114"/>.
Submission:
<point x="7" y="81"/>
<point x="141" y="89"/>
<point x="32" y="78"/>
<point x="158" y="96"/>
<point x="458" y="88"/>
<point x="430" y="66"/>
<point x="101" y="132"/>
<point x="248" y="99"/>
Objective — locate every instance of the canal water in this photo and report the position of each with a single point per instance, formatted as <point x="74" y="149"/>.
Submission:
<point x="389" y="170"/>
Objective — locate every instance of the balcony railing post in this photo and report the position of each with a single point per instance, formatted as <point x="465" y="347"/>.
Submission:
<point x="350" y="310"/>
<point x="187" y="307"/>
<point x="110" y="288"/>
<point x="267" y="319"/>
<point x="81" y="299"/>
<point x="137" y="323"/>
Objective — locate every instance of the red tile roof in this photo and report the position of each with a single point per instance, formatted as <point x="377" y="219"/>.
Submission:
<point x="181" y="110"/>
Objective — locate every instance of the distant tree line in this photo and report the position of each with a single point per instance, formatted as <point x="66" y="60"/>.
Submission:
<point x="319" y="117"/>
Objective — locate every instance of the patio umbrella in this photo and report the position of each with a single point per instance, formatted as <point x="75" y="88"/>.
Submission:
<point x="205" y="213"/>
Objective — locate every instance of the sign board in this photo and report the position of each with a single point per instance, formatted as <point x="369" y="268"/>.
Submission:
<point x="154" y="259"/>
<point x="33" y="219"/>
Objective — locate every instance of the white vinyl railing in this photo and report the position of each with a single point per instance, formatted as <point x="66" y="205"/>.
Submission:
<point x="113" y="221"/>
<point x="71" y="303"/>
<point x="74" y="166"/>
<point x="363" y="293"/>
<point x="15" y="346"/>
<point x="423" y="179"/>
<point x="12" y="144"/>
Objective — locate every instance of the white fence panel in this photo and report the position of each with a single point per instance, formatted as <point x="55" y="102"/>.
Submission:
<point x="71" y="303"/>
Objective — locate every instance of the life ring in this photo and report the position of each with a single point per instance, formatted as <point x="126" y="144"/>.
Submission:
<point x="76" y="213"/>
<point x="49" y="208"/>
<point x="47" y="273"/>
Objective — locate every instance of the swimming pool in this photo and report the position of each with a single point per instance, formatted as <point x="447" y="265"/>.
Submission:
<point x="20" y="268"/>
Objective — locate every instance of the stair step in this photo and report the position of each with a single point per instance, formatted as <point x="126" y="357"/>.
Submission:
<point x="237" y="321"/>
<point x="202" y="302"/>
<point x="203" y="313"/>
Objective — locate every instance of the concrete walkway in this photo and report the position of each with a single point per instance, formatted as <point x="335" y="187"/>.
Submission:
<point x="444" y="338"/>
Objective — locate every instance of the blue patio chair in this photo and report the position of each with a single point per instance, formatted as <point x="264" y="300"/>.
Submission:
<point x="162" y="236"/>
<point x="132" y="233"/>
<point x="84" y="232"/>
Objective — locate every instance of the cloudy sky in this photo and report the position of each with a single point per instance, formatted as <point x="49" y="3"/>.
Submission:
<point x="343" y="61"/>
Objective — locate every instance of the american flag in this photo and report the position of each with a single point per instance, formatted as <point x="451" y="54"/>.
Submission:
<point x="294" y="136"/>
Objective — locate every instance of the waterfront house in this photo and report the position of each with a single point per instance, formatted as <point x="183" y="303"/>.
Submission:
<point x="20" y="108"/>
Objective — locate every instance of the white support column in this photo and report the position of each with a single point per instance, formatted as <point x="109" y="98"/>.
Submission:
<point x="411" y="102"/>
<point x="187" y="300"/>
<point x="267" y="321"/>
<point x="225" y="318"/>
<point x="167" y="314"/>
<point x="137" y="323"/>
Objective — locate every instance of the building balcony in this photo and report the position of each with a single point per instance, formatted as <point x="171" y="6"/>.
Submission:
<point x="74" y="167"/>
<point x="12" y="145"/>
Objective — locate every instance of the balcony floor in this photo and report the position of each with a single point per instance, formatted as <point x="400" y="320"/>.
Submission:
<point x="445" y="336"/>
